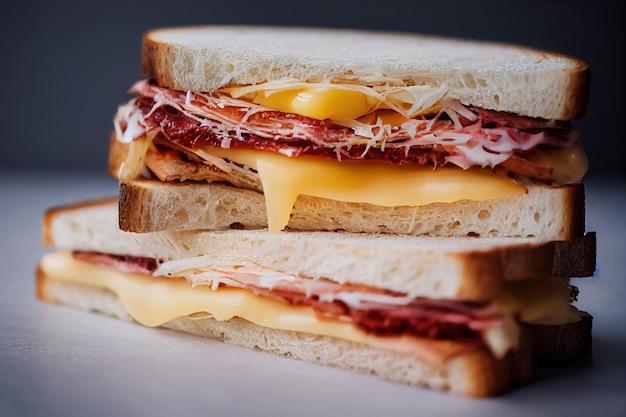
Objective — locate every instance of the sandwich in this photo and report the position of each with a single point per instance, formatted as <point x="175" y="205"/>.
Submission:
<point x="319" y="129"/>
<point x="455" y="314"/>
<point x="400" y="205"/>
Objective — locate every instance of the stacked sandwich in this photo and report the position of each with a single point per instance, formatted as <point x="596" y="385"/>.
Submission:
<point x="397" y="204"/>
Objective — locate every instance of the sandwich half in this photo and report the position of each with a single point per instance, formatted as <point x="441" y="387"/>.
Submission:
<point x="452" y="314"/>
<point x="321" y="129"/>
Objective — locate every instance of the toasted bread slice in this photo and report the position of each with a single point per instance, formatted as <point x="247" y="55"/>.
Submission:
<point x="543" y="212"/>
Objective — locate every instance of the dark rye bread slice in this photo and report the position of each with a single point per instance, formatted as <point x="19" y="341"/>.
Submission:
<point x="559" y="344"/>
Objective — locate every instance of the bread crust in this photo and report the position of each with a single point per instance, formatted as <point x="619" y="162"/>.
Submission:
<point x="47" y="234"/>
<point x="494" y="76"/>
<point x="476" y="373"/>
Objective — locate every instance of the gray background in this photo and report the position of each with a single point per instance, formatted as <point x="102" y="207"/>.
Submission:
<point x="66" y="65"/>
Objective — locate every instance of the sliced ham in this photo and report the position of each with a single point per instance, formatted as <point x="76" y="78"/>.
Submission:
<point x="457" y="135"/>
<point x="374" y="310"/>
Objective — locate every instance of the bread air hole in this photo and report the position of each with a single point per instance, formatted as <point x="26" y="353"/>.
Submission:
<point x="468" y="81"/>
<point x="537" y="217"/>
<point x="496" y="98"/>
<point x="181" y="216"/>
<point x="483" y="214"/>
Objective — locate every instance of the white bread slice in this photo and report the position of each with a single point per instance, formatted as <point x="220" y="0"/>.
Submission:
<point x="544" y="212"/>
<point x="456" y="268"/>
<point x="494" y="76"/>
<point x="476" y="373"/>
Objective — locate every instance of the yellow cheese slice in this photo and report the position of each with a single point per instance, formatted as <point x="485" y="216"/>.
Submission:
<point x="372" y="182"/>
<point x="153" y="301"/>
<point x="569" y="165"/>
<point x="539" y="301"/>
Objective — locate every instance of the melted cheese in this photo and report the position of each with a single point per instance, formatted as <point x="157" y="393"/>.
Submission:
<point x="569" y="164"/>
<point x="539" y="301"/>
<point x="153" y="301"/>
<point x="319" y="103"/>
<point x="387" y="117"/>
<point x="340" y="101"/>
<point x="377" y="183"/>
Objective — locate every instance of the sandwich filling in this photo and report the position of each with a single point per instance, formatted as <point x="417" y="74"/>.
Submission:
<point x="435" y="131"/>
<point x="176" y="135"/>
<point x="432" y="329"/>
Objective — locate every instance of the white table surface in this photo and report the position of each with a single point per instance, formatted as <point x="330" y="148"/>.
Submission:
<point x="56" y="361"/>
